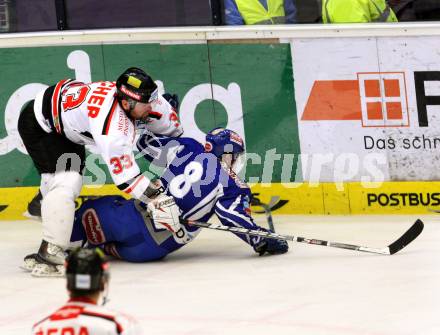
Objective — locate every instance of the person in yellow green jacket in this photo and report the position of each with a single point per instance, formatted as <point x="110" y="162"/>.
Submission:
<point x="356" y="11"/>
<point x="240" y="12"/>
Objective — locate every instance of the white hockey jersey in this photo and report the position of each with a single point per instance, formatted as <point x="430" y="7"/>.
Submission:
<point x="89" y="114"/>
<point x="82" y="317"/>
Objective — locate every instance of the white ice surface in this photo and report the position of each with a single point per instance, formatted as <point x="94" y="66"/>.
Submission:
<point x="217" y="285"/>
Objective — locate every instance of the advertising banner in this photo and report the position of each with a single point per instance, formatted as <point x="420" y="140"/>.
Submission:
<point x="368" y="108"/>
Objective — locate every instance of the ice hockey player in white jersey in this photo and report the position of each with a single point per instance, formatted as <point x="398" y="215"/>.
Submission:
<point x="87" y="282"/>
<point x="57" y="125"/>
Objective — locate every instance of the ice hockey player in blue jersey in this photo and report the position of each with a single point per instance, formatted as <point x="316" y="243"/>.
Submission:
<point x="203" y="183"/>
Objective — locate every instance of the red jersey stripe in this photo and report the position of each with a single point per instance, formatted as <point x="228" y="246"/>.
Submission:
<point x="108" y="119"/>
<point x="132" y="186"/>
<point x="55" y="105"/>
<point x="36" y="324"/>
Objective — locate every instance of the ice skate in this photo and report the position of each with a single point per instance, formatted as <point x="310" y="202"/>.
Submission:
<point x="48" y="262"/>
<point x="29" y="262"/>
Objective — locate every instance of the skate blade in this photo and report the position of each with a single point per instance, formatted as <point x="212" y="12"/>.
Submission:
<point x="27" y="267"/>
<point x="32" y="217"/>
<point x="29" y="263"/>
<point x="47" y="270"/>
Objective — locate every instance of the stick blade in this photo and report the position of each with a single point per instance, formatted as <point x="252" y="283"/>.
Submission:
<point x="409" y="236"/>
<point x="273" y="200"/>
<point x="279" y="204"/>
<point x="273" y="207"/>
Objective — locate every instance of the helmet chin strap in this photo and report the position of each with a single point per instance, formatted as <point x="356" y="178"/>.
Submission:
<point x="233" y="162"/>
<point x="228" y="159"/>
<point x="132" y="103"/>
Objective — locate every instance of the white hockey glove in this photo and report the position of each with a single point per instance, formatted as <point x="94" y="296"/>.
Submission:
<point x="165" y="213"/>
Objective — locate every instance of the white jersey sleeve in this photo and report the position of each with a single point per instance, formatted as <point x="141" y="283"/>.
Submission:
<point x="163" y="119"/>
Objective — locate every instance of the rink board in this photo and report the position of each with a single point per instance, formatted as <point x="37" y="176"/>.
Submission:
<point x="303" y="198"/>
<point x="368" y="111"/>
<point x="354" y="198"/>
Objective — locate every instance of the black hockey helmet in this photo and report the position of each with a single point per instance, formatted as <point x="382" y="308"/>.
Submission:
<point x="86" y="270"/>
<point x="135" y="84"/>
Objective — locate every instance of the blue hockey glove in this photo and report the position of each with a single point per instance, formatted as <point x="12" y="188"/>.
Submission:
<point x="173" y="100"/>
<point x="271" y="246"/>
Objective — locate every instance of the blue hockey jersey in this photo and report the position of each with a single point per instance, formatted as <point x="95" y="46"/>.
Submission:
<point x="201" y="186"/>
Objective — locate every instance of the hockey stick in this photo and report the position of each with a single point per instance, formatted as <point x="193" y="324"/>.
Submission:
<point x="266" y="208"/>
<point x="274" y="203"/>
<point x="269" y="217"/>
<point x="257" y="202"/>
<point x="273" y="206"/>
<point x="409" y="236"/>
<point x="279" y="204"/>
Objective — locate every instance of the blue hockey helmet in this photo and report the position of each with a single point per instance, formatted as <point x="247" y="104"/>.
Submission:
<point x="221" y="141"/>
